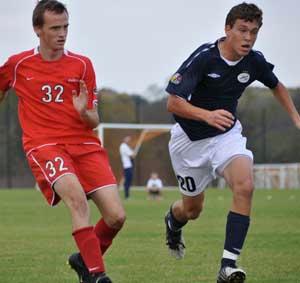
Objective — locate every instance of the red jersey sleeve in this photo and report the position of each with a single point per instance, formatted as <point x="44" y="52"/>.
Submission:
<point x="90" y="80"/>
<point x="6" y="75"/>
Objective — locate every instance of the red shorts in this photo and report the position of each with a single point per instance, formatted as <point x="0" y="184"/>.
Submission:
<point x="89" y="162"/>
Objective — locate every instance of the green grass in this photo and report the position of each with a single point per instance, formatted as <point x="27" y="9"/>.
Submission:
<point x="35" y="240"/>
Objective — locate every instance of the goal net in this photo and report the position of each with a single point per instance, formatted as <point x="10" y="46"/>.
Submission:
<point x="149" y="141"/>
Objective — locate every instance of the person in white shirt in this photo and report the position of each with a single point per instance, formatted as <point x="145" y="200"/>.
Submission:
<point x="127" y="155"/>
<point x="154" y="187"/>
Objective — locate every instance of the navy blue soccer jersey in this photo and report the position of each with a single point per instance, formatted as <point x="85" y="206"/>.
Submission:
<point x="207" y="81"/>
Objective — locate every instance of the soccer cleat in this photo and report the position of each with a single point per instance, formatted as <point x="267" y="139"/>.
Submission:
<point x="175" y="241"/>
<point x="231" y="275"/>
<point x="99" y="278"/>
<point x="76" y="262"/>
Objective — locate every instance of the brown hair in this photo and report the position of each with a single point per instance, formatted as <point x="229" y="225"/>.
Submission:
<point x="46" y="5"/>
<point x="244" y="11"/>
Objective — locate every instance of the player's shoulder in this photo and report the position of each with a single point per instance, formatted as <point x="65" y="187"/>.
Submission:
<point x="18" y="57"/>
<point x="258" y="56"/>
<point x="78" y="57"/>
<point x="204" y="50"/>
<point x="202" y="54"/>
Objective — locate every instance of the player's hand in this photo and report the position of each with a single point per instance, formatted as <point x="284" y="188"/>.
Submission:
<point x="220" y="119"/>
<point x="80" y="101"/>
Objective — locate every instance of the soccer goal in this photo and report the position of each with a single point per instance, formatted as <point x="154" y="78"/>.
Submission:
<point x="150" y="143"/>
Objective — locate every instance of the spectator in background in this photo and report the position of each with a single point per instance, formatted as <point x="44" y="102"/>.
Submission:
<point x="154" y="187"/>
<point x="127" y="156"/>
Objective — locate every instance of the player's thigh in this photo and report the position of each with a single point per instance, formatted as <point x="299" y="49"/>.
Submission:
<point x="192" y="173"/>
<point x="229" y="146"/>
<point x="92" y="167"/>
<point x="109" y="204"/>
<point x="191" y="162"/>
<point x="239" y="173"/>
<point x="48" y="165"/>
<point x="71" y="192"/>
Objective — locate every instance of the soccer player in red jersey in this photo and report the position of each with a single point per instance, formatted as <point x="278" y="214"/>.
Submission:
<point x="57" y="112"/>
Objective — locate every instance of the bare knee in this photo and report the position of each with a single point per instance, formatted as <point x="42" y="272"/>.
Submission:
<point x="243" y="190"/>
<point x="192" y="213"/>
<point x="116" y="220"/>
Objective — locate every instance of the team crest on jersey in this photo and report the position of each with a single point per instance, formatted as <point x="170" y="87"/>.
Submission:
<point x="243" y="77"/>
<point x="176" y="79"/>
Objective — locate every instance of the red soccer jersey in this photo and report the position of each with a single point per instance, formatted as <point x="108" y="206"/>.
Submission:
<point x="44" y="89"/>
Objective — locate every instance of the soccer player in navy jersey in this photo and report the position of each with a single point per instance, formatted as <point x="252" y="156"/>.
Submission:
<point x="207" y="142"/>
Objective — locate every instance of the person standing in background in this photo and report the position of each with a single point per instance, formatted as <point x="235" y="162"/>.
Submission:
<point x="127" y="155"/>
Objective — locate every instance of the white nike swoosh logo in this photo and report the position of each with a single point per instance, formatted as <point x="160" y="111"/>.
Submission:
<point x="29" y="79"/>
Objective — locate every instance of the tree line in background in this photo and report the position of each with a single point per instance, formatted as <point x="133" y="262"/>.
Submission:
<point x="271" y="134"/>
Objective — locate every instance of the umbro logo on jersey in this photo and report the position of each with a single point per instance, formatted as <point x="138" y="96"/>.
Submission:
<point x="214" y="75"/>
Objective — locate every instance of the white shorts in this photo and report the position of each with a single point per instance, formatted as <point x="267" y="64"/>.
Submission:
<point x="197" y="163"/>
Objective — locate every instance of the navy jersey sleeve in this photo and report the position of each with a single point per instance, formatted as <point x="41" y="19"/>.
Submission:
<point x="265" y="72"/>
<point x="185" y="80"/>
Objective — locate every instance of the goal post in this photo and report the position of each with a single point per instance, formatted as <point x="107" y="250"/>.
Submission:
<point x="147" y="127"/>
<point x="150" y="144"/>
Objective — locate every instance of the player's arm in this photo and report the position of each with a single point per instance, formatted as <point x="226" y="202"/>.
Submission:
<point x="80" y="102"/>
<point x="220" y="119"/>
<point x="282" y="95"/>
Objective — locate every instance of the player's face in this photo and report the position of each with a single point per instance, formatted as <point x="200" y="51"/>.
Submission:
<point x="241" y="37"/>
<point x="53" y="33"/>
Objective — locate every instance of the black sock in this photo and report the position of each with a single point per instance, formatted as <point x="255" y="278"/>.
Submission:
<point x="173" y="223"/>
<point x="236" y="232"/>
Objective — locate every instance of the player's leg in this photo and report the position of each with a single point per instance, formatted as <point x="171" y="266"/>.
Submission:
<point x="235" y="165"/>
<point x="238" y="175"/>
<point x="71" y="192"/>
<point x="90" y="260"/>
<point x="128" y="175"/>
<point x="94" y="173"/>
<point x="181" y="211"/>
<point x="54" y="172"/>
<point x="113" y="215"/>
<point x="190" y="161"/>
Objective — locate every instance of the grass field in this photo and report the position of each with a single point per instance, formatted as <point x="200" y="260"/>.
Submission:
<point x="35" y="240"/>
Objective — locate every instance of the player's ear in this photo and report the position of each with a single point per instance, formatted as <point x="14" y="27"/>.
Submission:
<point x="228" y="28"/>
<point x="37" y="30"/>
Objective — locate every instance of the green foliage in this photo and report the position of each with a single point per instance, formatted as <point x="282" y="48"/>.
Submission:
<point x="270" y="132"/>
<point x="36" y="240"/>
